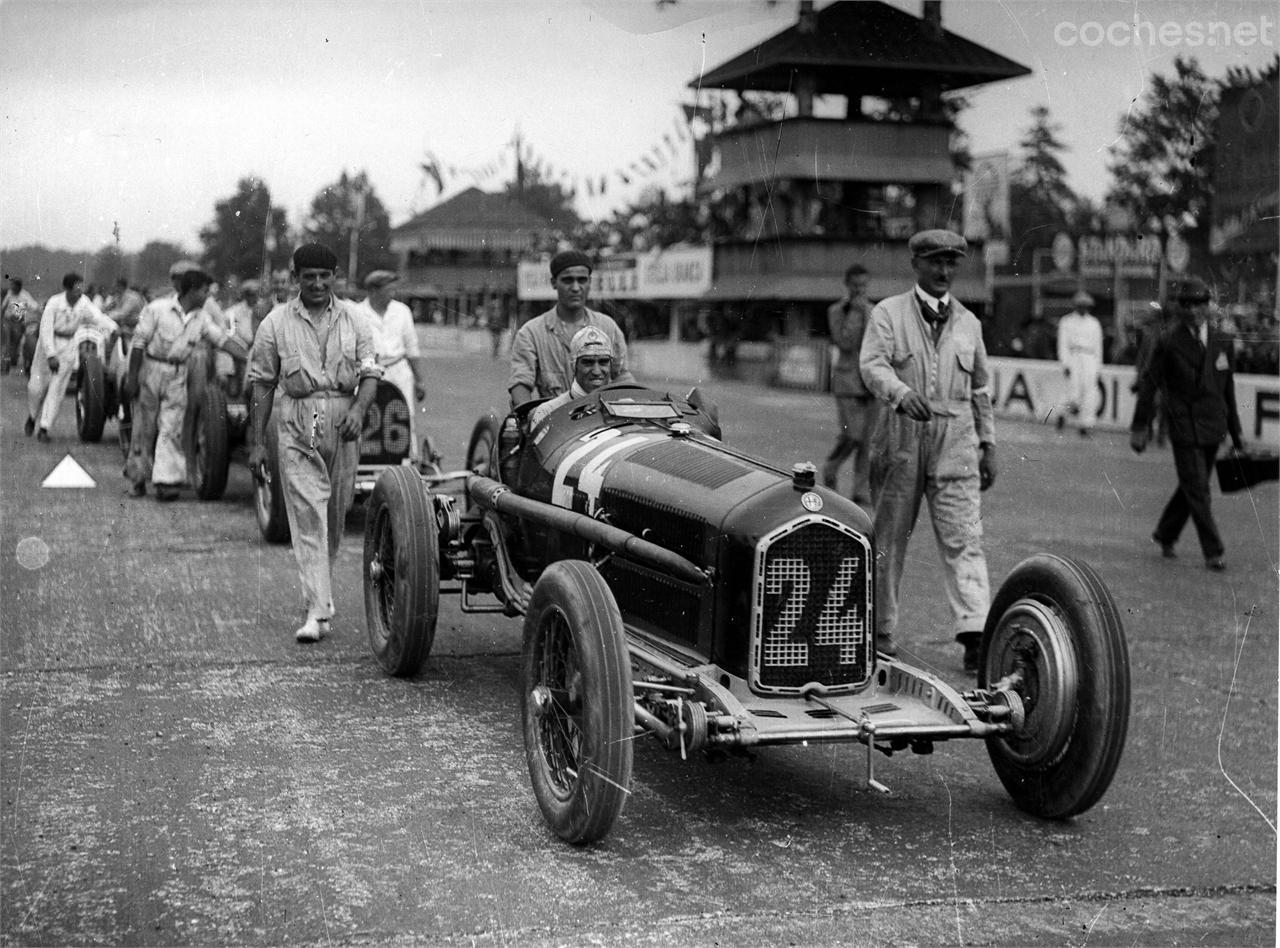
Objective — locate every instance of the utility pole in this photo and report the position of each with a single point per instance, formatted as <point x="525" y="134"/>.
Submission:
<point x="354" y="244"/>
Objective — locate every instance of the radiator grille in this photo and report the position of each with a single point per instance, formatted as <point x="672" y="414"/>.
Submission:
<point x="812" y="607"/>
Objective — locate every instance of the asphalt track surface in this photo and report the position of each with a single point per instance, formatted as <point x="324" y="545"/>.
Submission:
<point x="174" y="769"/>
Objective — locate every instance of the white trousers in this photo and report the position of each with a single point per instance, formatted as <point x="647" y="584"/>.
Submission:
<point x="47" y="389"/>
<point x="318" y="478"/>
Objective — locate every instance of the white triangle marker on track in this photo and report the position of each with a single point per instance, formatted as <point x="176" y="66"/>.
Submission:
<point x="68" y="473"/>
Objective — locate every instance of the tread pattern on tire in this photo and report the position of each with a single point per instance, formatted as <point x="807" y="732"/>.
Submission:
<point x="1080" y="775"/>
<point x="401" y="502"/>
<point x="599" y="794"/>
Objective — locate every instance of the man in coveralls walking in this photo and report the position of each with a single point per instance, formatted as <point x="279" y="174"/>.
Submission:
<point x="923" y="354"/>
<point x="166" y="336"/>
<point x="56" y="357"/>
<point x="317" y="351"/>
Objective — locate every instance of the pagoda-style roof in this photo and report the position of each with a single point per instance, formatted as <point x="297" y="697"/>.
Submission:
<point x="474" y="220"/>
<point x="862" y="48"/>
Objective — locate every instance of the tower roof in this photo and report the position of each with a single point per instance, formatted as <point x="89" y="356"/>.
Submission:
<point x="862" y="48"/>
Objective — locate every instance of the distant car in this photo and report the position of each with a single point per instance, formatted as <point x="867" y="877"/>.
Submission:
<point x="97" y="382"/>
<point x="672" y="585"/>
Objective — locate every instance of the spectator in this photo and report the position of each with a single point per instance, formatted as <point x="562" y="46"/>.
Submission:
<point x="1191" y="366"/>
<point x="17" y="304"/>
<point x="855" y="405"/>
<point x="1080" y="355"/>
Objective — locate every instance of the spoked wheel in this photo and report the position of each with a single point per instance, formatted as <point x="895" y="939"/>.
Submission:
<point x="268" y="494"/>
<point x="482" y="448"/>
<point x="212" y="454"/>
<point x="401" y="571"/>
<point x="578" y="709"/>
<point x="1055" y="627"/>
<point x="91" y="396"/>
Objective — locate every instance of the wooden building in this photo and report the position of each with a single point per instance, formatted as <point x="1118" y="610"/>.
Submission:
<point x="856" y="161"/>
<point x="461" y="255"/>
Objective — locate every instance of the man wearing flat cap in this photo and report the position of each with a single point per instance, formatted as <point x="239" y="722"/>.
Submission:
<point x="314" y="372"/>
<point x="1080" y="355"/>
<point x="1192" y="367"/>
<point x="923" y="355"/>
<point x="395" y="339"/>
<point x="541" y="365"/>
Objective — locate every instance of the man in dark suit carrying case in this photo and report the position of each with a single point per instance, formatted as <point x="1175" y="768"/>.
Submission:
<point x="1191" y="366"/>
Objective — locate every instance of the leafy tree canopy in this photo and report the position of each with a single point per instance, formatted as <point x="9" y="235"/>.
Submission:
<point x="350" y="205"/>
<point x="247" y="236"/>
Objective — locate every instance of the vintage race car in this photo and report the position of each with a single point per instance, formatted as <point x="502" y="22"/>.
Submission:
<point x="674" y="586"/>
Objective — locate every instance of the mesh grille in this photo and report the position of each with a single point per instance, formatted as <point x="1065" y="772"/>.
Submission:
<point x="813" y="609"/>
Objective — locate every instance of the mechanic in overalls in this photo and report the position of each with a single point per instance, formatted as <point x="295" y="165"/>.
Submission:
<point x="167" y="334"/>
<point x="317" y="352"/>
<point x="56" y="357"/>
<point x="923" y="354"/>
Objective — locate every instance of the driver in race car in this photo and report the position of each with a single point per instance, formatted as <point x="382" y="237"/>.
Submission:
<point x="592" y="356"/>
<point x="540" y="358"/>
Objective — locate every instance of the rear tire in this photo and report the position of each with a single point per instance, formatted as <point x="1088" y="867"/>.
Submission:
<point x="91" y="397"/>
<point x="401" y="572"/>
<point x="212" y="454"/>
<point x="578" y="710"/>
<point x="1054" y="623"/>
<point x="268" y="496"/>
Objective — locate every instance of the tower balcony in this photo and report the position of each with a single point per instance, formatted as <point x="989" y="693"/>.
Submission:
<point x="831" y="150"/>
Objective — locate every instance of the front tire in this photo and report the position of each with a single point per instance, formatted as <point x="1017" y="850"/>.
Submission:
<point x="401" y="572"/>
<point x="578" y="710"/>
<point x="482" y="447"/>
<point x="91" y="397"/>
<point x="268" y="495"/>
<point x="212" y="454"/>
<point x="1055" y="625"/>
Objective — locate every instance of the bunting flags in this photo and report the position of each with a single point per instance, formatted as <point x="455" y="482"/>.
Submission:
<point x="520" y="160"/>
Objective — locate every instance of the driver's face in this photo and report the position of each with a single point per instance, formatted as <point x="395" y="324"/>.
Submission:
<point x="592" y="371"/>
<point x="315" y="285"/>
<point x="74" y="294"/>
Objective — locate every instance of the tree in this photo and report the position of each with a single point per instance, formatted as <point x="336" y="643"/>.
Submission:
<point x="1163" y="163"/>
<point x="248" y="235"/>
<point x="543" y="196"/>
<point x="107" y="266"/>
<point x="333" y="218"/>
<point x="151" y="265"/>
<point x="1041" y="203"/>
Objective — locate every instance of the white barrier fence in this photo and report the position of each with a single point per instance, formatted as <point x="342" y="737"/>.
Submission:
<point x="1035" y="389"/>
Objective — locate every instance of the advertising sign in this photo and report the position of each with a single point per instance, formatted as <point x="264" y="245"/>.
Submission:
<point x="674" y="273"/>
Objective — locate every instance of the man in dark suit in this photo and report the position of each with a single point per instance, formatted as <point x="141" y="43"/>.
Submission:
<point x="1191" y="367"/>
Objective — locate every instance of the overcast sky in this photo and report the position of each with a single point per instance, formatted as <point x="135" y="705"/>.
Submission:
<point x="144" y="113"/>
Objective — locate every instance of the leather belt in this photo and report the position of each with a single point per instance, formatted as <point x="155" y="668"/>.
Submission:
<point x="165" y="360"/>
<point x="324" y="393"/>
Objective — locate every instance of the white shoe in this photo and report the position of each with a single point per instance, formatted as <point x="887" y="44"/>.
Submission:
<point x="313" y="630"/>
